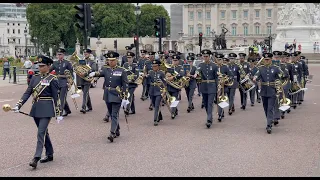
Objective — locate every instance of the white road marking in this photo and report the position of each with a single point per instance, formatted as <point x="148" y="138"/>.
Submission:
<point x="6" y="100"/>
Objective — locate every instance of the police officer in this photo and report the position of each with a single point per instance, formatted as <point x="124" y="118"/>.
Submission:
<point x="235" y="69"/>
<point x="223" y="70"/>
<point x="59" y="67"/>
<point x="44" y="88"/>
<point x="85" y="85"/>
<point x="172" y="76"/>
<point x="114" y="76"/>
<point x="156" y="78"/>
<point x="208" y="72"/>
<point x="268" y="74"/>
<point x="191" y="73"/>
<point x="246" y="68"/>
<point x="141" y="65"/>
<point x="254" y="91"/>
<point x="130" y="66"/>
<point x="297" y="77"/>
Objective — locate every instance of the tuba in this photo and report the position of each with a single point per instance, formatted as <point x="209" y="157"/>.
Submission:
<point x="81" y="70"/>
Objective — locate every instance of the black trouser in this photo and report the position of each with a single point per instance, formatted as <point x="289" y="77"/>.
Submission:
<point x="114" y="109"/>
<point x="43" y="137"/>
<point x="190" y="93"/>
<point x="86" y="101"/>
<point x="243" y="97"/>
<point x="63" y="99"/>
<point x="156" y="104"/>
<point x="5" y="70"/>
<point x="131" y="100"/>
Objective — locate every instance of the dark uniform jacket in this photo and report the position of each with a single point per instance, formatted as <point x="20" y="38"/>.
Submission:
<point x="290" y="70"/>
<point x="94" y="68"/>
<point x="47" y="104"/>
<point x="268" y="74"/>
<point x="141" y="63"/>
<point x="59" y="67"/>
<point x="236" y="75"/>
<point x="246" y="67"/>
<point x="169" y="60"/>
<point x="113" y="77"/>
<point x="180" y="74"/>
<point x="154" y="77"/>
<point x="285" y="76"/>
<point x="208" y="72"/>
<point x="193" y="81"/>
<point x="132" y="69"/>
<point x="148" y="65"/>
<point x="297" y="71"/>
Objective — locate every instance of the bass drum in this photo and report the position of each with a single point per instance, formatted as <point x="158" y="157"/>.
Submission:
<point x="247" y="85"/>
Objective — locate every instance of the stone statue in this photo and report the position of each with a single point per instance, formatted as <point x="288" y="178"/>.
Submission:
<point x="220" y="41"/>
<point x="297" y="14"/>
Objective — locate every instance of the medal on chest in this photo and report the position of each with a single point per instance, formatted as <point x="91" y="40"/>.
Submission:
<point x="117" y="73"/>
<point x="210" y="68"/>
<point x="44" y="82"/>
<point x="272" y="71"/>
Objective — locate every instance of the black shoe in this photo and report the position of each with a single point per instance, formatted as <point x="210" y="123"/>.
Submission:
<point x="111" y="137"/>
<point x="192" y="106"/>
<point x="126" y="112"/>
<point x="299" y="103"/>
<point x="233" y="109"/>
<point x="142" y="98"/>
<point x="301" y="100"/>
<point x="208" y="124"/>
<point x="176" y="113"/>
<point x="34" y="162"/>
<point x="202" y="106"/>
<point x="288" y="111"/>
<point x="117" y="133"/>
<point x="133" y="112"/>
<point x="294" y="106"/>
<point x="189" y="109"/>
<point x="46" y="159"/>
<point x="173" y="116"/>
<point x="106" y="119"/>
<point x="282" y="115"/>
<point x="89" y="110"/>
<point x="66" y="114"/>
<point x="230" y="112"/>
<point x="160" y="118"/>
<point x="150" y="108"/>
<point x="162" y="104"/>
<point x="243" y="107"/>
<point x="83" y="111"/>
<point x="199" y="95"/>
<point x="252" y="104"/>
<point x="276" y="122"/>
<point x="269" y="129"/>
<point x="222" y="115"/>
<point x="155" y="123"/>
<point x="219" y="118"/>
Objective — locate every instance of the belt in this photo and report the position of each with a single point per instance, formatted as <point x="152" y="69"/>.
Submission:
<point x="268" y="83"/>
<point x="154" y="84"/>
<point x="61" y="75"/>
<point x="109" y="88"/>
<point x="43" y="99"/>
<point x="208" y="81"/>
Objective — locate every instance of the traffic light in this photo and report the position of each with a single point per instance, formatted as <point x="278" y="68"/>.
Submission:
<point x="80" y="16"/>
<point x="157" y="27"/>
<point x="136" y="41"/>
<point x="115" y="44"/>
<point x="163" y="27"/>
<point x="200" y="39"/>
<point x="89" y="16"/>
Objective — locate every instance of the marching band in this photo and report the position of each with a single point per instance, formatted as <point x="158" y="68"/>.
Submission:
<point x="278" y="79"/>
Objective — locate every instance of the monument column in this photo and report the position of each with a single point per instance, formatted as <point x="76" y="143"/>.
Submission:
<point x="98" y="49"/>
<point x="12" y="46"/>
<point x="78" y="46"/>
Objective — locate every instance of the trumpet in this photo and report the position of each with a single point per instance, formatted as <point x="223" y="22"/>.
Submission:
<point x="165" y="94"/>
<point x="72" y="87"/>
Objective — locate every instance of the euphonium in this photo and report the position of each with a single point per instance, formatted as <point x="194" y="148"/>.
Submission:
<point x="164" y="65"/>
<point x="81" y="70"/>
<point x="131" y="77"/>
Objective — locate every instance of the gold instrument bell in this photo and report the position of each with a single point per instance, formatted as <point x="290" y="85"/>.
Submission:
<point x="80" y="69"/>
<point x="6" y="108"/>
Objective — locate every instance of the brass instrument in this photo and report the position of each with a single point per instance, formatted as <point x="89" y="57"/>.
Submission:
<point x="81" y="70"/>
<point x="174" y="83"/>
<point x="72" y="87"/>
<point x="121" y="94"/>
<point x="131" y="77"/>
<point x="165" y="94"/>
<point x="198" y="78"/>
<point x="164" y="65"/>
<point x="279" y="89"/>
<point x="222" y="80"/>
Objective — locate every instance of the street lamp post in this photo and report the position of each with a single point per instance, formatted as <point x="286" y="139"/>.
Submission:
<point x="25" y="35"/>
<point x="137" y="12"/>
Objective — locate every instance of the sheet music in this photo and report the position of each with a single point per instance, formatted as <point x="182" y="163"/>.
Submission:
<point x="174" y="104"/>
<point x="223" y="104"/>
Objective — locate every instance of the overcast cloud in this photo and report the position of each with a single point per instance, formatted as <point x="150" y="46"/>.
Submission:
<point x="165" y="5"/>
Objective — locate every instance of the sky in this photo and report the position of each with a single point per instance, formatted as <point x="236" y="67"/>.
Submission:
<point x="166" y="5"/>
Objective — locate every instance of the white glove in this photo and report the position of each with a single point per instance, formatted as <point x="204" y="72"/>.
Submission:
<point x="92" y="74"/>
<point x="16" y="109"/>
<point x="59" y="118"/>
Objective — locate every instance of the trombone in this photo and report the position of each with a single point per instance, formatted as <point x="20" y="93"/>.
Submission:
<point x="72" y="87"/>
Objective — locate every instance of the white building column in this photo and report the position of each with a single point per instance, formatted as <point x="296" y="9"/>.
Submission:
<point x="78" y="46"/>
<point x="12" y="46"/>
<point x="98" y="50"/>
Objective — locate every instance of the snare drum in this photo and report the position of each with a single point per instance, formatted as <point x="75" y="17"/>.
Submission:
<point x="247" y="85"/>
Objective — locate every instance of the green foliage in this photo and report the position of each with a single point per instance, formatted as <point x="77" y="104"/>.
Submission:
<point x="11" y="59"/>
<point x="33" y="58"/>
<point x="52" y="23"/>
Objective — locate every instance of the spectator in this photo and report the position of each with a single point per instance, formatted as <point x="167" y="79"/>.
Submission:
<point x="317" y="47"/>
<point x="27" y="63"/>
<point x="6" y="68"/>
<point x="286" y="46"/>
<point x="299" y="47"/>
<point x="294" y="45"/>
<point x="314" y="47"/>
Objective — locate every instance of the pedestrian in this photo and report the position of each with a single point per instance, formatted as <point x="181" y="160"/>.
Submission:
<point x="317" y="47"/>
<point x="6" y="68"/>
<point x="44" y="87"/>
<point x="314" y="47"/>
<point x="294" y="45"/>
<point x="299" y="47"/>
<point x="27" y="63"/>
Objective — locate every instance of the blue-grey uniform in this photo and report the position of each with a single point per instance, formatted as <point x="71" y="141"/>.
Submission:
<point x="131" y="68"/>
<point x="106" y="65"/>
<point x="285" y="80"/>
<point x="85" y="85"/>
<point x="305" y="70"/>
<point x="276" y="62"/>
<point x="113" y="77"/>
<point x="199" y="57"/>
<point x="178" y="72"/>
<point x="44" y="89"/>
<point x="141" y="65"/>
<point x="156" y="78"/>
<point x="169" y="58"/>
<point x="224" y="70"/>
<point x="255" y="90"/>
<point x="59" y="67"/>
<point x="247" y="70"/>
<point x="192" y="83"/>
<point x="235" y="69"/>
<point x="268" y="74"/>
<point x="147" y="68"/>
<point x="209" y="78"/>
<point x="297" y="72"/>
<point x="181" y="62"/>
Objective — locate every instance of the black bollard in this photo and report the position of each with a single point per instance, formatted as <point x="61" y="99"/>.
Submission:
<point x="14" y="75"/>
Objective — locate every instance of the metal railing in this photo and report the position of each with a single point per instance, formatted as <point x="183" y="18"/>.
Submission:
<point x="16" y="77"/>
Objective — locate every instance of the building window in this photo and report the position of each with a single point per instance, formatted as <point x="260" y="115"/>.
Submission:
<point x="208" y="15"/>
<point x="245" y="30"/>
<point x="8" y="31"/>
<point x="18" y="31"/>
<point x="208" y="29"/>
<point x="8" y="24"/>
<point x="199" y="29"/>
<point x="199" y="15"/>
<point x="269" y="29"/>
<point x="12" y="24"/>
<point x="257" y="13"/>
<point x="257" y="29"/>
<point x="222" y="14"/>
<point x="234" y="14"/>
<point x="14" y="40"/>
<point x="234" y="30"/>
<point x="191" y="32"/>
<point x="269" y="13"/>
<point x="18" y="24"/>
<point x="191" y="15"/>
<point x="245" y="14"/>
<point x="13" y="31"/>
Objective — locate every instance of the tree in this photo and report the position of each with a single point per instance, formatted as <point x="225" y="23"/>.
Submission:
<point x="149" y="12"/>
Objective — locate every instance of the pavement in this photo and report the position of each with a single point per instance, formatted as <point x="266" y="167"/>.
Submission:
<point x="238" y="146"/>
